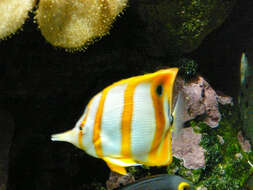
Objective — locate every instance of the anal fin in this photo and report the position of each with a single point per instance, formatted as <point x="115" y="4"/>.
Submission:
<point x="116" y="168"/>
<point x="118" y="164"/>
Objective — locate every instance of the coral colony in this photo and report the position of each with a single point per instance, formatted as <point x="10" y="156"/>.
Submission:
<point x="71" y="24"/>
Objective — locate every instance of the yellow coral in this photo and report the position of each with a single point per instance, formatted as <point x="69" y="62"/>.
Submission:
<point x="13" y="14"/>
<point x="73" y="23"/>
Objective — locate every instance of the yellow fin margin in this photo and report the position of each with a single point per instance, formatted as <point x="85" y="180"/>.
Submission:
<point x="118" y="165"/>
<point x="116" y="168"/>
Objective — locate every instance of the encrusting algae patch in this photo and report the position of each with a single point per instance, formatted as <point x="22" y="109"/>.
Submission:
<point x="13" y="15"/>
<point x="70" y="24"/>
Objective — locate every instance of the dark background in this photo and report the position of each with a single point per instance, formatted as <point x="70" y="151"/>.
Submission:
<point x="44" y="90"/>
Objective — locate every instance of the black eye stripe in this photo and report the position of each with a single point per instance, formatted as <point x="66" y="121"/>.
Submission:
<point x="159" y="90"/>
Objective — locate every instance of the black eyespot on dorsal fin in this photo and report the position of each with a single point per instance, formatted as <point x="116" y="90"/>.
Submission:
<point x="159" y="90"/>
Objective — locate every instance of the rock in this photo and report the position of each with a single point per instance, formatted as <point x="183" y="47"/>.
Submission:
<point x="116" y="180"/>
<point x="243" y="142"/>
<point x="223" y="99"/>
<point x="192" y="93"/>
<point x="201" y="99"/>
<point x="182" y="24"/>
<point x="186" y="146"/>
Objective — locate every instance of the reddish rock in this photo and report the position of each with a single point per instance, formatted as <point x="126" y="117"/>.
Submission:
<point x="186" y="146"/>
<point x="223" y="99"/>
<point x="116" y="180"/>
<point x="201" y="99"/>
<point x="192" y="97"/>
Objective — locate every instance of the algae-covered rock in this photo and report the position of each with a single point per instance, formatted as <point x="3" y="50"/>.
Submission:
<point x="186" y="23"/>
<point x="227" y="164"/>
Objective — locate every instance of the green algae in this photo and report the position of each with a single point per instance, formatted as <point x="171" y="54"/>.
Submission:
<point x="191" y="21"/>
<point x="227" y="164"/>
<point x="188" y="68"/>
<point x="181" y="25"/>
<point x="196" y="19"/>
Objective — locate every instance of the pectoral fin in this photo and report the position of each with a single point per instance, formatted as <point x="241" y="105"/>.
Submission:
<point x="178" y="115"/>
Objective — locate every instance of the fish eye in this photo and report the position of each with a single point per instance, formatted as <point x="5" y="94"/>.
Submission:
<point x="80" y="128"/>
<point x="159" y="90"/>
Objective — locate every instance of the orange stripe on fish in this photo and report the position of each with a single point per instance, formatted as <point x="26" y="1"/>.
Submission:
<point x="160" y="121"/>
<point x="97" y="125"/>
<point x="126" y="120"/>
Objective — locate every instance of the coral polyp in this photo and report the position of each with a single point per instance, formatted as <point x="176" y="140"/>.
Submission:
<point x="13" y="15"/>
<point x="73" y="23"/>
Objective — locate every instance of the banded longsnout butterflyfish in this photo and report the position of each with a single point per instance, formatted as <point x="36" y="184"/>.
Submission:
<point x="129" y="123"/>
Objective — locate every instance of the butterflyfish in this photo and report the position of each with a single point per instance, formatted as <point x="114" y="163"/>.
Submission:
<point x="129" y="123"/>
<point x="160" y="182"/>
